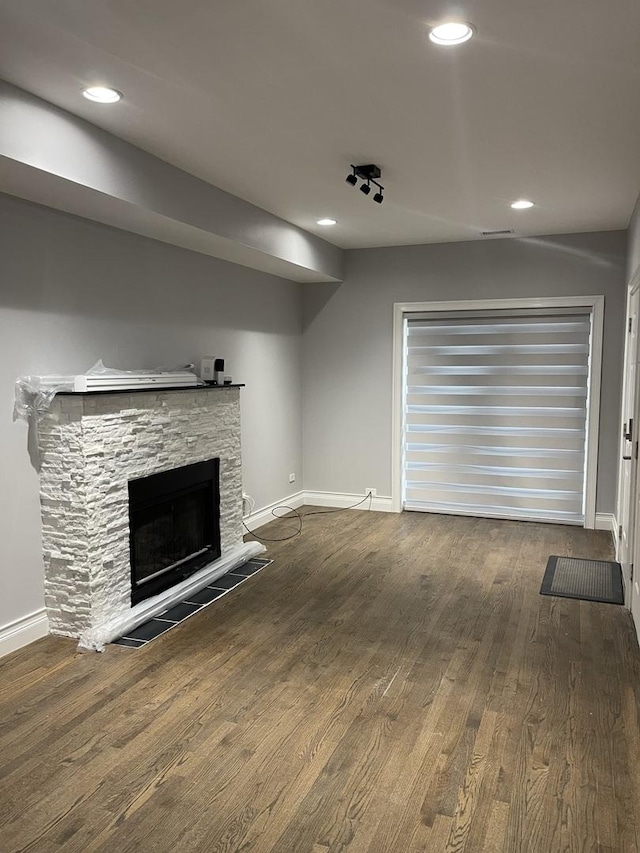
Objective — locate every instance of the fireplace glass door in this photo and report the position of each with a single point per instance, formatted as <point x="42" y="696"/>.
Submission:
<point x="174" y="524"/>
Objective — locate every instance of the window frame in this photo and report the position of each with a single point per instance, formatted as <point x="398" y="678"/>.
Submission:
<point x="594" y="304"/>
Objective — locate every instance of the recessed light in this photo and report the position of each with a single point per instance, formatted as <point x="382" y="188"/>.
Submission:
<point x="451" y="32"/>
<point x="102" y="94"/>
<point x="327" y="221"/>
<point x="522" y="204"/>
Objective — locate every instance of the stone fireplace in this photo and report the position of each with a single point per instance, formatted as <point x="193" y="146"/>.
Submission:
<point x="94" y="449"/>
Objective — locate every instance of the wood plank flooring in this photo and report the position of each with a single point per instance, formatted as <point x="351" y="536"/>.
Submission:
<point x="390" y="684"/>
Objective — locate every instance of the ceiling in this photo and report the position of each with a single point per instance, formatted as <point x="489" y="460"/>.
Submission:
<point x="272" y="101"/>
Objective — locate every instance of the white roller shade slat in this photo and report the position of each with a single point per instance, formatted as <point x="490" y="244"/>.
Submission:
<point x="495" y="416"/>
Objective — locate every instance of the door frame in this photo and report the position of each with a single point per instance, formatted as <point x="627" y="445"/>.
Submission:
<point x="595" y="304"/>
<point x="632" y="288"/>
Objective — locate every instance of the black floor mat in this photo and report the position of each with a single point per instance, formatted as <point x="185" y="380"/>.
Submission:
<point x="589" y="580"/>
<point x="203" y="596"/>
<point x="228" y="581"/>
<point x="149" y="630"/>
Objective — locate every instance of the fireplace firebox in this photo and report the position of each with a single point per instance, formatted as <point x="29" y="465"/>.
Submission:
<point x="174" y="526"/>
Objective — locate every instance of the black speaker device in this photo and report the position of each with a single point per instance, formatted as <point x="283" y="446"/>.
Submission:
<point x="218" y="371"/>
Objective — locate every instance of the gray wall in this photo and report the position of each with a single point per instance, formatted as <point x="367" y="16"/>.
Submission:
<point x="73" y="291"/>
<point x="634" y="242"/>
<point x="348" y="340"/>
<point x="50" y="156"/>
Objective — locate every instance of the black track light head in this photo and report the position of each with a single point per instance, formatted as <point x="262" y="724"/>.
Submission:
<point x="368" y="174"/>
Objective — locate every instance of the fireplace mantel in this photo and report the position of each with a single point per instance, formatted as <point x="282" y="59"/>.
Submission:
<point x="91" y="445"/>
<point x="151" y="390"/>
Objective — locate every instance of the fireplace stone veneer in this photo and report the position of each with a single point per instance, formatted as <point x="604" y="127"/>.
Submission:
<point x="90" y="446"/>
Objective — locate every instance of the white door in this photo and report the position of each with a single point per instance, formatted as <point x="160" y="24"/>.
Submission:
<point x="627" y="474"/>
<point x="633" y="597"/>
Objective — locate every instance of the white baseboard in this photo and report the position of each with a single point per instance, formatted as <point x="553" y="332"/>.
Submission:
<point x="342" y="500"/>
<point x="615" y="535"/>
<point x="23" y="631"/>
<point x="603" y="520"/>
<point x="607" y="521"/>
<point x="258" y="518"/>
<point x="382" y="503"/>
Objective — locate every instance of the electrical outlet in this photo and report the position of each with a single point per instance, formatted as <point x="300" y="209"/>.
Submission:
<point x="247" y="504"/>
<point x="373" y="491"/>
<point x="292" y="478"/>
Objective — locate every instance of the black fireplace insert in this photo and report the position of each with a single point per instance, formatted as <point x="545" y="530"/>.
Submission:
<point x="174" y="526"/>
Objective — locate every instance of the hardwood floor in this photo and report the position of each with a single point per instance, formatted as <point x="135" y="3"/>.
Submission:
<point x="389" y="684"/>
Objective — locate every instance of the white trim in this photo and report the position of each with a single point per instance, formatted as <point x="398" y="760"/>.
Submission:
<point x="344" y="500"/>
<point x="607" y="521"/>
<point x="259" y="517"/>
<point x="615" y="535"/>
<point x="594" y="303"/>
<point x="23" y="631"/>
<point x="397" y="391"/>
<point x="632" y="287"/>
<point x="593" y="410"/>
<point x="500" y="304"/>
<point x="504" y="516"/>
<point x="380" y="503"/>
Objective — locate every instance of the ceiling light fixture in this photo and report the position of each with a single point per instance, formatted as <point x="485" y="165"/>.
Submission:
<point x="522" y="204"/>
<point x="102" y="94"/>
<point x="451" y="33"/>
<point x="327" y="221"/>
<point x="367" y="174"/>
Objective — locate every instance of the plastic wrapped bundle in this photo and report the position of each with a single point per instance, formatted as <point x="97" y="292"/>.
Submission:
<point x="33" y="394"/>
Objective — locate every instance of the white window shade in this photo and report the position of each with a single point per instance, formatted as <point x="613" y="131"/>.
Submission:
<point x="495" y="415"/>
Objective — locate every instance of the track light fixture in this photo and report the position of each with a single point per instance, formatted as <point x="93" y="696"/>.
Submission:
<point x="367" y="174"/>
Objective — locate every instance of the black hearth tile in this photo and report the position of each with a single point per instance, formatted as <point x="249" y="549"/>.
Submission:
<point x="180" y="611"/>
<point x="149" y="630"/>
<point x="127" y="641"/>
<point x="251" y="567"/>
<point x="205" y="596"/>
<point x="227" y="581"/>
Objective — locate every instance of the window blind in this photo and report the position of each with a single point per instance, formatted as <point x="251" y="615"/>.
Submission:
<point x="495" y="416"/>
